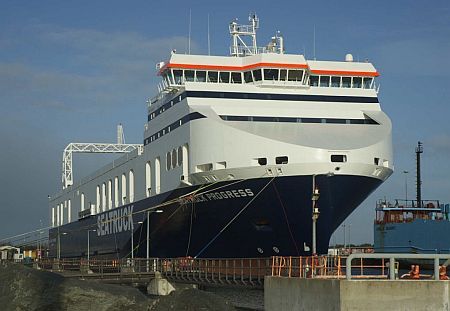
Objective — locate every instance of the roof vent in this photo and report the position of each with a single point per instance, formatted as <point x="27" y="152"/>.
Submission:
<point x="349" y="57"/>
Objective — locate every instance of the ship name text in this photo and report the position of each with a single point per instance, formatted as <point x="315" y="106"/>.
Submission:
<point x="115" y="221"/>
<point x="219" y="195"/>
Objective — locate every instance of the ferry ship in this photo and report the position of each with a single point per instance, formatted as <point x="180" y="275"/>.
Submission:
<point x="239" y="153"/>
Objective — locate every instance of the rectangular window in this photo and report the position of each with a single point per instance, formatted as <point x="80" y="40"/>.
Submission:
<point x="325" y="81"/>
<point x="338" y="158"/>
<point x="335" y="81"/>
<point x="295" y="75"/>
<point x="178" y="75"/>
<point x="189" y="75"/>
<point x="213" y="76"/>
<point x="367" y="83"/>
<point x="224" y="77"/>
<point x="248" y="77"/>
<point x="346" y="81"/>
<point x="314" y="80"/>
<point x="170" y="76"/>
<point x="357" y="82"/>
<point x="271" y="74"/>
<point x="257" y="75"/>
<point x="281" y="160"/>
<point x="236" y="77"/>
<point x="283" y="74"/>
<point x="201" y="76"/>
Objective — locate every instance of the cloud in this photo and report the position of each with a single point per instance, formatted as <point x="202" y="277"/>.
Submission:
<point x="89" y="69"/>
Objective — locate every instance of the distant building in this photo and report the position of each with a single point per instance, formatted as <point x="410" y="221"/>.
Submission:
<point x="8" y="252"/>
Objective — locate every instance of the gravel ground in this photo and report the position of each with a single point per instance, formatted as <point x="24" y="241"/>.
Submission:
<point x="23" y="288"/>
<point x="242" y="298"/>
<point x="193" y="300"/>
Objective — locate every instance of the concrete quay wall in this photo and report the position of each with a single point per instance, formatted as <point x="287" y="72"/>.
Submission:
<point x="282" y="293"/>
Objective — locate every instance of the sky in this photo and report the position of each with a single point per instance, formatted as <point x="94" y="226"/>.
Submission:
<point x="70" y="71"/>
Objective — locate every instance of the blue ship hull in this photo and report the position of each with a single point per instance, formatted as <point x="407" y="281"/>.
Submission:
<point x="419" y="236"/>
<point x="239" y="218"/>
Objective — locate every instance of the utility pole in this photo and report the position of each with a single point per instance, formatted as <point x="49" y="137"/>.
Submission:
<point x="406" y="187"/>
<point x="419" y="150"/>
<point x="315" y="213"/>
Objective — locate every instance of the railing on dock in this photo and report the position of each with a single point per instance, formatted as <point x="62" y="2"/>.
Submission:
<point x="435" y="258"/>
<point x="234" y="271"/>
<point x="246" y="271"/>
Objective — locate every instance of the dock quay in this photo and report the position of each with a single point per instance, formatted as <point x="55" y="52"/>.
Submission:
<point x="289" y="283"/>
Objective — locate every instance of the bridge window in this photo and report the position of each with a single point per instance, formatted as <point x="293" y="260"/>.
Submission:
<point x="169" y="76"/>
<point x="357" y="82"/>
<point x="178" y="76"/>
<point x="257" y="75"/>
<point x="283" y="74"/>
<point x="368" y="83"/>
<point x="224" y="77"/>
<point x="314" y="80"/>
<point x="201" y="76"/>
<point x="236" y="77"/>
<point x="335" y="81"/>
<point x="325" y="81"/>
<point x="271" y="74"/>
<point x="213" y="76"/>
<point x="248" y="77"/>
<point x="295" y="75"/>
<point x="346" y="82"/>
<point x="189" y="75"/>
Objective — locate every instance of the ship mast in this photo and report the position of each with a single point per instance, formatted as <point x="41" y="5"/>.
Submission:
<point x="239" y="47"/>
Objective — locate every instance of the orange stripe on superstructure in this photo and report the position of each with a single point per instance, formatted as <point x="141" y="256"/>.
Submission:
<point x="276" y="65"/>
<point x="238" y="68"/>
<point x="346" y="73"/>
